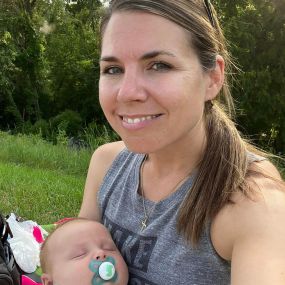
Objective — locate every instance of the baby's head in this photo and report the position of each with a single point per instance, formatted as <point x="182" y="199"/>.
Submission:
<point x="82" y="252"/>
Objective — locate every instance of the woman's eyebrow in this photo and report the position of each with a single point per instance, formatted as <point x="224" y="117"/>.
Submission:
<point x="109" y="58"/>
<point x="148" y="55"/>
<point x="156" y="53"/>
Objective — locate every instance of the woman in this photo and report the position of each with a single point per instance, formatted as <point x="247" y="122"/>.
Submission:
<point x="185" y="198"/>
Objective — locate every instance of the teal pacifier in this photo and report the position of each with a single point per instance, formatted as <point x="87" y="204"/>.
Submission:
<point x="106" y="270"/>
<point x="103" y="271"/>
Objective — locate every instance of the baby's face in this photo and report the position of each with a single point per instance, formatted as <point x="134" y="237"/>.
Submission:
<point x="78" y="249"/>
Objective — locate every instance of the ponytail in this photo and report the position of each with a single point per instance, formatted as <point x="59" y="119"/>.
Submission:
<point x="222" y="171"/>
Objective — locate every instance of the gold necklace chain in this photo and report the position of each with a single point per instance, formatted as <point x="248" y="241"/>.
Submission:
<point x="146" y="214"/>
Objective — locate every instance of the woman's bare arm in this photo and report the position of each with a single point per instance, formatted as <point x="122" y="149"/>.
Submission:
<point x="251" y="232"/>
<point x="100" y="162"/>
<point x="258" y="255"/>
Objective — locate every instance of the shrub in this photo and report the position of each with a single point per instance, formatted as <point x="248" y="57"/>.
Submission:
<point x="68" y="121"/>
<point x="95" y="135"/>
<point x="41" y="127"/>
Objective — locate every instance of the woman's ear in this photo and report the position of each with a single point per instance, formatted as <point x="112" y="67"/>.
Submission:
<point x="216" y="79"/>
<point x="46" y="279"/>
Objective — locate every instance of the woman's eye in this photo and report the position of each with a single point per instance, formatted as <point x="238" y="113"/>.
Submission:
<point x="112" y="70"/>
<point x="160" y="66"/>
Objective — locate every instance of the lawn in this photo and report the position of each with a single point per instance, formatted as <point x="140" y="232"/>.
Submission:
<point x="40" y="181"/>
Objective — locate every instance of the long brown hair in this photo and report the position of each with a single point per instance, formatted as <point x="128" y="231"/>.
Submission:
<point x="224" y="166"/>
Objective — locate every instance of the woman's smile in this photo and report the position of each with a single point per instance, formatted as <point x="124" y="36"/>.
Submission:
<point x="137" y="122"/>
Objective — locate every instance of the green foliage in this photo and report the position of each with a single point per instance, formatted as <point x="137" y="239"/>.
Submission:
<point x="41" y="127"/>
<point x="49" y="63"/>
<point x="49" y="52"/>
<point x="68" y="121"/>
<point x="72" y="53"/>
<point x="9" y="113"/>
<point x="256" y="33"/>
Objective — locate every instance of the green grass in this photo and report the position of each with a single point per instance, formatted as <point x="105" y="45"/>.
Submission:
<point x="40" y="181"/>
<point x="41" y="195"/>
<point x="35" y="152"/>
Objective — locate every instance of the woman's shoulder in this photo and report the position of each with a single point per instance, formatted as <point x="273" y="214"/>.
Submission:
<point x="105" y="154"/>
<point x="258" y="231"/>
<point x="260" y="212"/>
<point x="109" y="150"/>
<point x="266" y="192"/>
<point x="265" y="168"/>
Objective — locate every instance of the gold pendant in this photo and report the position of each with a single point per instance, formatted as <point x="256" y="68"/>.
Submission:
<point x="143" y="222"/>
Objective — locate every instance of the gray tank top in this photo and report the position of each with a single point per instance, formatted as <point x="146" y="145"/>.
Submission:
<point x="158" y="254"/>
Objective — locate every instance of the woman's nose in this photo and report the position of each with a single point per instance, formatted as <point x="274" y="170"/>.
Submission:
<point x="131" y="88"/>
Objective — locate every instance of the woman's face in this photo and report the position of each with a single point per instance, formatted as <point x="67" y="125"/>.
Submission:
<point x="152" y="85"/>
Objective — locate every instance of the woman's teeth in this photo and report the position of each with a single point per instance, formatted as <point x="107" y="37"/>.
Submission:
<point x="138" y="120"/>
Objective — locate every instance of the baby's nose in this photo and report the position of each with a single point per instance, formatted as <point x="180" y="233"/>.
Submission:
<point x="100" y="255"/>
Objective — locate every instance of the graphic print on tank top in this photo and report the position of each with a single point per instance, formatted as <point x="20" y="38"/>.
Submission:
<point x="158" y="255"/>
<point x="135" y="249"/>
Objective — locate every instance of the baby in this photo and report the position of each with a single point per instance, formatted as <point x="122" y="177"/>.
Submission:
<point x="82" y="252"/>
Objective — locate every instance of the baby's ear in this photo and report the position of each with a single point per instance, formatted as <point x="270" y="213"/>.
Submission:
<point x="46" y="279"/>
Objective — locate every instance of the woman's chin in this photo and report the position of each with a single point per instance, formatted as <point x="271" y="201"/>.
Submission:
<point x="140" y="145"/>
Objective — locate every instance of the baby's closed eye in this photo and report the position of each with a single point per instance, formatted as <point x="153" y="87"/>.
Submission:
<point x="78" y="254"/>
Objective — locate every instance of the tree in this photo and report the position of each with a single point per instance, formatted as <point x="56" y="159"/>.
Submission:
<point x="26" y="57"/>
<point x="72" y="52"/>
<point x="9" y="113"/>
<point x="54" y="51"/>
<point x="49" y="63"/>
<point x="256" y="32"/>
